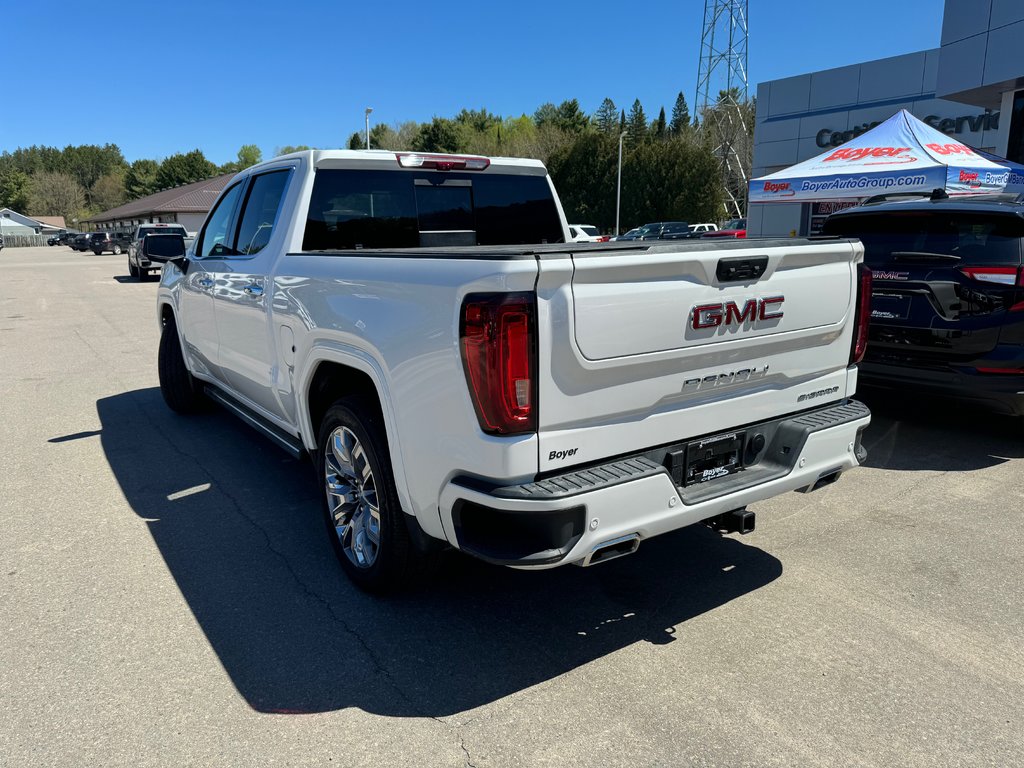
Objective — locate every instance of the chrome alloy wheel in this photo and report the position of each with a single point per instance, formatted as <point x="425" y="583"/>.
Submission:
<point x="352" y="497"/>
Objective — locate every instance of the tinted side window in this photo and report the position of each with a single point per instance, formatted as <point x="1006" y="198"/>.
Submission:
<point x="361" y="209"/>
<point x="515" y="210"/>
<point x="260" y="211"/>
<point x="390" y="209"/>
<point x="985" y="239"/>
<point x="214" y="239"/>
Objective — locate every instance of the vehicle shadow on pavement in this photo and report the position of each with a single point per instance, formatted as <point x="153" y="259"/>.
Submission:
<point x="238" y="524"/>
<point x="921" y="433"/>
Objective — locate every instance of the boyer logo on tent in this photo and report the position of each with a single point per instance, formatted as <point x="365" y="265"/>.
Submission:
<point x="779" y="188"/>
<point x="884" y="155"/>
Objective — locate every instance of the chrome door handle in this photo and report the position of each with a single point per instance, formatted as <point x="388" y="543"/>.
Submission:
<point x="205" y="282"/>
<point x="254" y="289"/>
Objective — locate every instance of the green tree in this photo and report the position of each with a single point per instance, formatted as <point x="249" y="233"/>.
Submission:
<point x="570" y="118"/>
<point x="15" y="188"/>
<point x="184" y="169"/>
<point x="248" y="156"/>
<point x="674" y="180"/>
<point x="680" y="116"/>
<point x="605" y="118"/>
<point x="140" y="179"/>
<point x="88" y="162"/>
<point x="584" y="172"/>
<point x="439" y="135"/>
<point x="478" y="120"/>
<point x="357" y="141"/>
<point x="546" y="113"/>
<point x="108" y="191"/>
<point x="56" y="194"/>
<point x="287" y="149"/>
<point x="31" y="160"/>
<point x="636" y="124"/>
<point x="622" y="121"/>
<point x="658" y="129"/>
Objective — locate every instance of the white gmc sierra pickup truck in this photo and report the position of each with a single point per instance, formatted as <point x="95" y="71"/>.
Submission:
<point x="463" y="376"/>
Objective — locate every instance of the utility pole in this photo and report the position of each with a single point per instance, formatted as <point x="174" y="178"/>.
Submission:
<point x="722" y="94"/>
<point x="618" y="188"/>
<point x="368" y="111"/>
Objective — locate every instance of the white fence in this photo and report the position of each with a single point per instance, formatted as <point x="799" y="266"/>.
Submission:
<point x="20" y="241"/>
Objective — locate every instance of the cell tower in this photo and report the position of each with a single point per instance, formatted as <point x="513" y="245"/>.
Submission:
<point x="721" y="101"/>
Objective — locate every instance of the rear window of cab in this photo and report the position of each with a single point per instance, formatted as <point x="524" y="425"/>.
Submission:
<point x="975" y="237"/>
<point x="355" y="209"/>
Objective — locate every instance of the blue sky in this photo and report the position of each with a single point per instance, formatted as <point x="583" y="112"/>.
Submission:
<point x="157" y="78"/>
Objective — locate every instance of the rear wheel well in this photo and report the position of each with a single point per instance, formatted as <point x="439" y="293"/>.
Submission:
<point x="333" y="381"/>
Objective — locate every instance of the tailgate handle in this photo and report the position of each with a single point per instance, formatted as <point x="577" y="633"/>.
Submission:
<point x="733" y="270"/>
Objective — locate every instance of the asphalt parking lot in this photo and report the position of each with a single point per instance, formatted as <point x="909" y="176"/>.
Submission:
<point x="168" y="596"/>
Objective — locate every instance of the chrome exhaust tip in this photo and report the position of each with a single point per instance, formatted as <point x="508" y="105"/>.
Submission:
<point x="609" y="550"/>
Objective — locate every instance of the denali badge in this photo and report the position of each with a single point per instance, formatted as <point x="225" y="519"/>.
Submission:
<point x="719" y="379"/>
<point x="729" y="312"/>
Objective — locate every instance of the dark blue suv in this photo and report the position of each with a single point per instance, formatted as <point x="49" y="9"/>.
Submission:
<point x="947" y="299"/>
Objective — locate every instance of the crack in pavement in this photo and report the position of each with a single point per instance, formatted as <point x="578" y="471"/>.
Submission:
<point x="469" y="757"/>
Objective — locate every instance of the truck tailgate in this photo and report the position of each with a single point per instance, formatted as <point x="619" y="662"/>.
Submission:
<point x="646" y="347"/>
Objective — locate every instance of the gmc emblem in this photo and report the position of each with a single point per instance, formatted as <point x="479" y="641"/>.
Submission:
<point x="730" y="313"/>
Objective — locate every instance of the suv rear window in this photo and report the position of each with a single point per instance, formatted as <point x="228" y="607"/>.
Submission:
<point x="404" y="209"/>
<point x="977" y="238"/>
<point x="166" y="246"/>
<point x="173" y="229"/>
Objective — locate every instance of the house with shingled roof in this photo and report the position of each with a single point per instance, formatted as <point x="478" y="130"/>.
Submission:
<point x="186" y="205"/>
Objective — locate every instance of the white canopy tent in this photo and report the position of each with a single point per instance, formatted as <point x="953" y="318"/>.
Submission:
<point x="903" y="154"/>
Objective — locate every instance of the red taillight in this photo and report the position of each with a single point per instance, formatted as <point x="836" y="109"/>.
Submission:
<point x="860" y="333"/>
<point x="499" y="355"/>
<point x="1001" y="275"/>
<point x="442" y="162"/>
<point x="1004" y="371"/>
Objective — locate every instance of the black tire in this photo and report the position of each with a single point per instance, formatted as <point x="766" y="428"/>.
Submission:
<point x="397" y="561"/>
<point x="181" y="391"/>
<point x="133" y="271"/>
<point x="117" y="250"/>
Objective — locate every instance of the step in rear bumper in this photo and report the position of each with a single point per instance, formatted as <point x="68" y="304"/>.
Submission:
<point x="558" y="519"/>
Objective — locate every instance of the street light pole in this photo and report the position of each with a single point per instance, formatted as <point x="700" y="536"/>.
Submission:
<point x="368" y="111"/>
<point x="618" y="189"/>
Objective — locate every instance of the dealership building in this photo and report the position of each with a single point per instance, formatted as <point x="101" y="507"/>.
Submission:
<point x="971" y="88"/>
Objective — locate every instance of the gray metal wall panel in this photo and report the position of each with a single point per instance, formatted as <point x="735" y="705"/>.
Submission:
<point x="777" y="153"/>
<point x="834" y="87"/>
<point x="931" y="71"/>
<point x="1003" y="60"/>
<point x="778" y="219"/>
<point x="893" y="77"/>
<point x="777" y="130"/>
<point x="834" y="121"/>
<point x="1006" y="12"/>
<point x="877" y="114"/>
<point x="964" y="18"/>
<point x="790" y="95"/>
<point x="962" y="65"/>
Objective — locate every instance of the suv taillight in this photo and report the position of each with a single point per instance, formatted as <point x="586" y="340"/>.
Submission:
<point x="1001" y="275"/>
<point x="863" y="315"/>
<point x="497" y="335"/>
